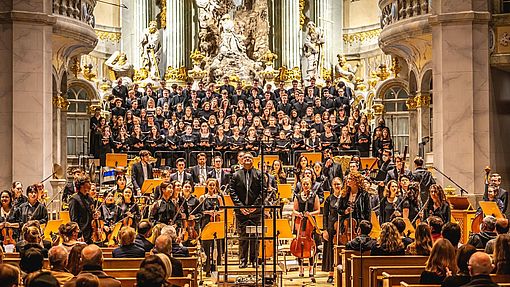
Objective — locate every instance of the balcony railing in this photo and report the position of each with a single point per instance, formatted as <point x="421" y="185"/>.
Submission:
<point x="82" y="10"/>
<point x="397" y="10"/>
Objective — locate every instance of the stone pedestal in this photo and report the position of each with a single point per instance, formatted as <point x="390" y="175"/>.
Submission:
<point x="461" y="90"/>
<point x="26" y="94"/>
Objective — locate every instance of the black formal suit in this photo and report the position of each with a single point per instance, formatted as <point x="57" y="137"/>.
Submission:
<point x="80" y="211"/>
<point x="334" y="170"/>
<point x="195" y="173"/>
<point x="120" y="92"/>
<point x="229" y="88"/>
<point x="137" y="176"/>
<point x="394" y="175"/>
<point x="244" y="194"/>
<point x="224" y="176"/>
<point x="186" y="176"/>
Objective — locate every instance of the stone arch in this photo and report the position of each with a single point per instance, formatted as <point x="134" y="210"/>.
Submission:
<point x="91" y="91"/>
<point x="384" y="86"/>
<point x="426" y="81"/>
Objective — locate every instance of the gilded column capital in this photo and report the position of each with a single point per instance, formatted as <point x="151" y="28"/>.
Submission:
<point x="60" y="102"/>
<point x="378" y="109"/>
<point x="411" y="103"/>
<point x="422" y="100"/>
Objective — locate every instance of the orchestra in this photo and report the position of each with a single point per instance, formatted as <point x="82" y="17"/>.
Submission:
<point x="346" y="203"/>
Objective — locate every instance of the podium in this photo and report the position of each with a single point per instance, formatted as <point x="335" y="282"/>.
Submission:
<point x="463" y="213"/>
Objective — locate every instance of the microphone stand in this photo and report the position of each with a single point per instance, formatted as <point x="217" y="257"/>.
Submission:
<point x="462" y="190"/>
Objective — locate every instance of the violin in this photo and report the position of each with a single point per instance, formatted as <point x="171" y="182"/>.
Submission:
<point x="98" y="233"/>
<point x="189" y="231"/>
<point x="128" y="221"/>
<point x="7" y="233"/>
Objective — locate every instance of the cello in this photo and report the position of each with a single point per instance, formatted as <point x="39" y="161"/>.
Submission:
<point x="303" y="245"/>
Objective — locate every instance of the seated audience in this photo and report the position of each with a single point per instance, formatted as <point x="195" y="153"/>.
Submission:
<point x="502" y="227"/>
<point x="151" y="275"/>
<point x="163" y="245"/>
<point x="32" y="239"/>
<point x="422" y="241"/>
<point x="69" y="233"/>
<point x="502" y="254"/>
<point x="441" y="263"/>
<point x="436" y="225"/>
<point x="74" y="263"/>
<point x="31" y="261"/>
<point x="480" y="267"/>
<point x="452" y="232"/>
<point x="87" y="280"/>
<point x="92" y="259"/>
<point x="401" y="227"/>
<point x="487" y="232"/>
<point x="363" y="241"/>
<point x="58" y="261"/>
<point x="144" y="232"/>
<point x="161" y="260"/>
<point x="462" y="277"/>
<point x="41" y="279"/>
<point x="178" y="250"/>
<point x="127" y="248"/>
<point x="389" y="242"/>
<point x="10" y="274"/>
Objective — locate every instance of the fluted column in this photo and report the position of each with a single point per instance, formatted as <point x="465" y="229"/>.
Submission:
<point x="291" y="35"/>
<point x="174" y="33"/>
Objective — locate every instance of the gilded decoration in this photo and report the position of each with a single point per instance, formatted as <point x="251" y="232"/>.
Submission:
<point x="360" y="85"/>
<point x="88" y="73"/>
<point x="60" y="102"/>
<point x="178" y="74"/>
<point x="411" y="103"/>
<point x="302" y="17"/>
<point x="268" y="58"/>
<point x="378" y="109"/>
<point x="372" y="82"/>
<point x="109" y="36"/>
<point x="395" y="67"/>
<point x="361" y="36"/>
<point x="382" y="72"/>
<point x="422" y="100"/>
<point x="75" y="66"/>
<point x="197" y="57"/>
<point x="161" y="17"/>
<point x="287" y="75"/>
<point x="140" y="75"/>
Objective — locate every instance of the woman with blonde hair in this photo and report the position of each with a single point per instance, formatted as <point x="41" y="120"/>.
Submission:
<point x="389" y="242"/>
<point x="390" y="205"/>
<point x="441" y="263"/>
<point x="423" y="241"/>
<point x="502" y="254"/>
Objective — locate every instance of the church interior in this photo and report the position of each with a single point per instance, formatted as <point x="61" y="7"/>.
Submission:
<point x="223" y="142"/>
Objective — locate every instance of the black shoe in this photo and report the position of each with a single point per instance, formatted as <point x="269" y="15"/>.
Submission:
<point x="330" y="279"/>
<point x="253" y="265"/>
<point x="243" y="265"/>
<point x="208" y="274"/>
<point x="313" y="279"/>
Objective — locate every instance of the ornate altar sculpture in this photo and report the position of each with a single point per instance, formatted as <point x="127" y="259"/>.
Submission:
<point x="345" y="70"/>
<point x="118" y="66"/>
<point x="151" y="50"/>
<point x="312" y="51"/>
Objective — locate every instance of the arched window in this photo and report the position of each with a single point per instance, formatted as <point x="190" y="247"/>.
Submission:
<point x="396" y="116"/>
<point x="77" y="121"/>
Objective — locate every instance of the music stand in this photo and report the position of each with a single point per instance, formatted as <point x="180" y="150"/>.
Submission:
<point x="116" y="159"/>
<point x="319" y="220"/>
<point x="51" y="227"/>
<point x="367" y="162"/>
<point x="490" y="208"/>
<point x="376" y="227"/>
<point x="227" y="201"/>
<point x="150" y="184"/>
<point x="213" y="230"/>
<point x="459" y="202"/>
<point x="313" y="157"/>
<point x="285" y="190"/>
<point x="268" y="158"/>
<point x="64" y="216"/>
<point x="199" y="190"/>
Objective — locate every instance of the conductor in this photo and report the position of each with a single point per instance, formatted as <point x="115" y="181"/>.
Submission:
<point x="246" y="190"/>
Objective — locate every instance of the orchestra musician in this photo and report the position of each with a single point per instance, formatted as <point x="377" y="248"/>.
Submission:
<point x="437" y="204"/>
<point x="71" y="188"/>
<point x="211" y="202"/>
<point x="192" y="204"/>
<point x="32" y="209"/>
<point x="217" y="172"/>
<point x="399" y="170"/>
<point x="390" y="205"/>
<point x="109" y="212"/>
<point x="354" y="200"/>
<point x="129" y="208"/>
<point x="306" y="204"/>
<point x="17" y="193"/>
<point x="164" y="209"/>
<point x="179" y="202"/>
<point x="199" y="171"/>
<point x="7" y="214"/>
<point x="246" y="190"/>
<point x="121" y="182"/>
<point x="412" y="201"/>
<point x="81" y="208"/>
<point x="180" y="174"/>
<point x="330" y="213"/>
<point x="141" y="171"/>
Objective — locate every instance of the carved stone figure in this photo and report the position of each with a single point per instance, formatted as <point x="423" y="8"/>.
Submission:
<point x="230" y="41"/>
<point x="151" y="50"/>
<point x="118" y="66"/>
<point x="345" y="70"/>
<point x="312" y="48"/>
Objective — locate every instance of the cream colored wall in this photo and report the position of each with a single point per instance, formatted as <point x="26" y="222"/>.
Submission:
<point x="108" y="15"/>
<point x="360" y="13"/>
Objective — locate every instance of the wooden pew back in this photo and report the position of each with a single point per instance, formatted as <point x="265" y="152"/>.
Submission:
<point x="376" y="277"/>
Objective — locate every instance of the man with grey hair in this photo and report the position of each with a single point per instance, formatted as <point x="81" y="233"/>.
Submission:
<point x="480" y="267"/>
<point x="58" y="260"/>
<point x="163" y="244"/>
<point x="487" y="232"/>
<point x="92" y="259"/>
<point x="178" y="250"/>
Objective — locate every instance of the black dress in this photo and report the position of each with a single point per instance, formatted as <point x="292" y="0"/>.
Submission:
<point x="329" y="219"/>
<point x="387" y="209"/>
<point x="444" y="211"/>
<point x="210" y="203"/>
<point x="134" y="209"/>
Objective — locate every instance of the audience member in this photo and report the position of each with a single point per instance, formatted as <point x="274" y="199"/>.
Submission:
<point x="502" y="254"/>
<point x="436" y="225"/>
<point x="363" y="241"/>
<point x="389" y="242"/>
<point x="92" y="259"/>
<point x="502" y="227"/>
<point x="462" y="277"/>
<point x="178" y="250"/>
<point x="151" y="275"/>
<point x="41" y="279"/>
<point x="127" y="248"/>
<point x="74" y="263"/>
<point x="58" y="261"/>
<point x="69" y="233"/>
<point x="422" y="244"/>
<point x="31" y="261"/>
<point x="87" y="280"/>
<point x="144" y="232"/>
<point x="480" y="267"/>
<point x="487" y="232"/>
<point x="441" y="263"/>
<point x="401" y="227"/>
<point x="452" y="232"/>
<point x="11" y="276"/>
<point x="163" y="245"/>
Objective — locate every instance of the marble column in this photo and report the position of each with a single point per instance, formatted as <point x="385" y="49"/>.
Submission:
<point x="460" y="36"/>
<point x="175" y="33"/>
<point x="291" y="34"/>
<point x="423" y="108"/>
<point x="26" y="96"/>
<point x="413" y="128"/>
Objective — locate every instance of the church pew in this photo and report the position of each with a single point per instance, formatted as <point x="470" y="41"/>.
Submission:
<point x="391" y="280"/>
<point x="346" y="265"/>
<point x="177" y="281"/>
<point x="360" y="266"/>
<point x="502" y="280"/>
<point x="337" y="252"/>
<point x="131" y="272"/>
<point x="376" y="277"/>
